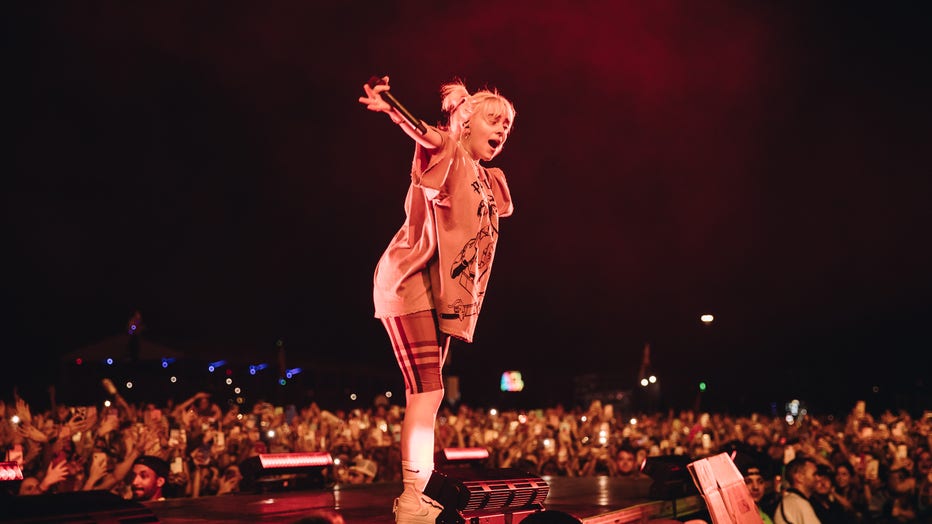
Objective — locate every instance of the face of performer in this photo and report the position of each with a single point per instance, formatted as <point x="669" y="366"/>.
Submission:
<point x="146" y="484"/>
<point x="488" y="129"/>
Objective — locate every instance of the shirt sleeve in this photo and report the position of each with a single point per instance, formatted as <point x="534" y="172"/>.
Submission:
<point x="502" y="194"/>
<point x="431" y="166"/>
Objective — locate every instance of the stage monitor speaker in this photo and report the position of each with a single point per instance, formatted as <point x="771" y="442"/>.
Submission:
<point x="670" y="475"/>
<point x="284" y="471"/>
<point x="488" y="496"/>
<point x="86" y="507"/>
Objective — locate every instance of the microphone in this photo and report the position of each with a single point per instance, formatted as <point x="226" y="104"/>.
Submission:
<point x="392" y="101"/>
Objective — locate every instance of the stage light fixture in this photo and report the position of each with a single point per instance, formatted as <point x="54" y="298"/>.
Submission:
<point x="10" y="471"/>
<point x="451" y="455"/>
<point x="284" y="471"/>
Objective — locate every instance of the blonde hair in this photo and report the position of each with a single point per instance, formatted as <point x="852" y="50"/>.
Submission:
<point x="460" y="106"/>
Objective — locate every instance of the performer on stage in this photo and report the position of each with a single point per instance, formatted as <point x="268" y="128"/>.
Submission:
<point x="430" y="282"/>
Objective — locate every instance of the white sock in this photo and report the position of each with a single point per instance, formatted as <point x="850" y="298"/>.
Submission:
<point x="416" y="474"/>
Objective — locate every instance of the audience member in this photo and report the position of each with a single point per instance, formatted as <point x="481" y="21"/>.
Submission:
<point x="795" y="506"/>
<point x="363" y="471"/>
<point x="757" y="487"/>
<point x="149" y="476"/>
<point x="831" y="507"/>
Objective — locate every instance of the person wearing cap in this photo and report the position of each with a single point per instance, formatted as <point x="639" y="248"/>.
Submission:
<point x="757" y="487"/>
<point x="362" y="471"/>
<point x="149" y="476"/>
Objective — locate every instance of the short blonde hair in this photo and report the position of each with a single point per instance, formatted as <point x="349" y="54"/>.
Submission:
<point x="460" y="106"/>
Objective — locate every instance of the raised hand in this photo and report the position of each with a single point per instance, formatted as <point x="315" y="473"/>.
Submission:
<point x="55" y="474"/>
<point x="373" y="101"/>
<point x="22" y="409"/>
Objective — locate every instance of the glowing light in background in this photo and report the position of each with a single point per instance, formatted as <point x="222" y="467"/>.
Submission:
<point x="257" y="368"/>
<point x="512" y="381"/>
<point x="129" y="385"/>
<point x="214" y="365"/>
<point x="707" y="318"/>
<point x="290" y="373"/>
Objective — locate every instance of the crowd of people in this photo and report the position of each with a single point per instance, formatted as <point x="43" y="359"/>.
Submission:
<point x="862" y="468"/>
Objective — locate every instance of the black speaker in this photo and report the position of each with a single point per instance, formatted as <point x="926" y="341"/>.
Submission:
<point x="474" y="495"/>
<point x="85" y="507"/>
<point x="670" y="475"/>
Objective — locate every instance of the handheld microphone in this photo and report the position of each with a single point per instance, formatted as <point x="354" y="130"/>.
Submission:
<point x="392" y="101"/>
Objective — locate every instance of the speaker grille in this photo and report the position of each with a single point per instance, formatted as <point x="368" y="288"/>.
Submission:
<point x="481" y="489"/>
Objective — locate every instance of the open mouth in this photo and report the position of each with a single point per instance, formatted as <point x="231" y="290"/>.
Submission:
<point x="494" y="142"/>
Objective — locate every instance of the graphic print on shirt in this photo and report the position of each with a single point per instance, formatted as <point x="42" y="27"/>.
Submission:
<point x="475" y="258"/>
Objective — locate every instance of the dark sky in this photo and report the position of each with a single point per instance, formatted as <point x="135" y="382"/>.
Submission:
<point x="208" y="164"/>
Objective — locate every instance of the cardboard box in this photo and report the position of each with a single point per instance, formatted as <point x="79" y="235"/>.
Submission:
<point x="724" y="491"/>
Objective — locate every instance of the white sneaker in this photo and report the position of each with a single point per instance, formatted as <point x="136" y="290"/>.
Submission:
<point x="416" y="508"/>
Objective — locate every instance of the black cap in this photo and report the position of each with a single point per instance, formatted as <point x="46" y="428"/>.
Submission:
<point x="159" y="466"/>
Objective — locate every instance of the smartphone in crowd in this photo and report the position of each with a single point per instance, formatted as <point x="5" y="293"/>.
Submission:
<point x="100" y="458"/>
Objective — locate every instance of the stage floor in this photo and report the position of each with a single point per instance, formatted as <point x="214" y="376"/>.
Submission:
<point x="594" y="500"/>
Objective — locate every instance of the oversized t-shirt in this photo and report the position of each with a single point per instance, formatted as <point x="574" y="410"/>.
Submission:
<point x="441" y="257"/>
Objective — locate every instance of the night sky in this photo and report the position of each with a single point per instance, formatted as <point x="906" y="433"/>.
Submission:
<point x="208" y="164"/>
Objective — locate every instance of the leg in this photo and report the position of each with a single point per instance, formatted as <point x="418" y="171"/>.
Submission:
<point x="420" y="355"/>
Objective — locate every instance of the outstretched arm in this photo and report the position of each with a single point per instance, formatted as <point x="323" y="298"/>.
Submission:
<point x="374" y="102"/>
